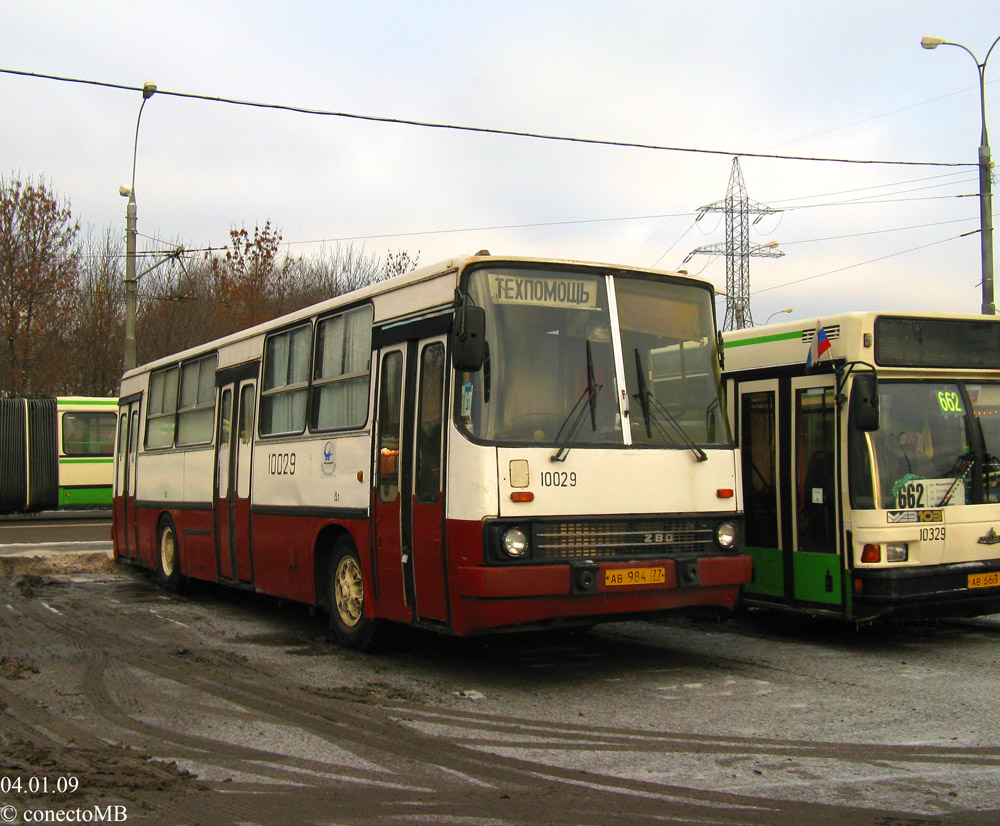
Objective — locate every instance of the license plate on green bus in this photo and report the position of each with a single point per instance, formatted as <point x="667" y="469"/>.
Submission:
<point x="635" y="576"/>
<point x="991" y="580"/>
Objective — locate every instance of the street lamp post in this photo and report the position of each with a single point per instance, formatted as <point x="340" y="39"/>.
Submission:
<point x="985" y="174"/>
<point x="148" y="90"/>
<point x="778" y="312"/>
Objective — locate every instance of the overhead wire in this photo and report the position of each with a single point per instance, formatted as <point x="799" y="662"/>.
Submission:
<point x="548" y="137"/>
<point x="477" y="129"/>
<point x="854" y="266"/>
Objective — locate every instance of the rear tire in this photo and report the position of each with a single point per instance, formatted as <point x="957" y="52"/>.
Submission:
<point x="168" y="561"/>
<point x="346" y="602"/>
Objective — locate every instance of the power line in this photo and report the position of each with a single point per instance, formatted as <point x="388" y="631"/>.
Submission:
<point x="476" y="129"/>
<point x="858" y="202"/>
<point x="969" y="177"/>
<point x="455" y="230"/>
<point x="877" y="117"/>
<point x="859" y="264"/>
<point x="543" y="224"/>
<point x="878" y="232"/>
<point x="579" y="221"/>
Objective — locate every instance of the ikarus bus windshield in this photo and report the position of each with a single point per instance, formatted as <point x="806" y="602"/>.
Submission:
<point x="573" y="355"/>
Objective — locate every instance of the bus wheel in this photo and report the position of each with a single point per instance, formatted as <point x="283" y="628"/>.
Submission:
<point x="348" y="622"/>
<point x="168" y="563"/>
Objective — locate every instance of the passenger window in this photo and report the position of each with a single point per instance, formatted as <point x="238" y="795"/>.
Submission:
<point x="429" y="421"/>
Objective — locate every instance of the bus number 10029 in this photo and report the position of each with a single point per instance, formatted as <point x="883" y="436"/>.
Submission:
<point x="281" y="464"/>
<point x="557" y="479"/>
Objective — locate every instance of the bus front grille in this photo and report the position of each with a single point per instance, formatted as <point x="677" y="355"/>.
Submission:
<point x="622" y="538"/>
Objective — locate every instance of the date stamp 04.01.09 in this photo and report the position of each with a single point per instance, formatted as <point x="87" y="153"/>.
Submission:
<point x="39" y="788"/>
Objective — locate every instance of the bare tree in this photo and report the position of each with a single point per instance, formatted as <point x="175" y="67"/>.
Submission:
<point x="330" y="273"/>
<point x="251" y="281"/>
<point x="96" y="334"/>
<point x="176" y="308"/>
<point x="183" y="305"/>
<point x="39" y="255"/>
<point x="399" y="263"/>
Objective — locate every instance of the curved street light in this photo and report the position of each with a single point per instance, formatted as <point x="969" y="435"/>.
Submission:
<point x="779" y="312"/>
<point x="985" y="170"/>
<point x="148" y="90"/>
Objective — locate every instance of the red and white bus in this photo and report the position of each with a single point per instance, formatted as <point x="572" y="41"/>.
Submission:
<point x="488" y="443"/>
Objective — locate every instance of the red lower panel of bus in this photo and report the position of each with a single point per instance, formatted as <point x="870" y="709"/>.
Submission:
<point x="473" y="596"/>
<point x="484" y="597"/>
<point x="494" y="597"/>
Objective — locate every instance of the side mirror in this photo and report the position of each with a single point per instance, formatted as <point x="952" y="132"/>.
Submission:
<point x="864" y="402"/>
<point x="468" y="338"/>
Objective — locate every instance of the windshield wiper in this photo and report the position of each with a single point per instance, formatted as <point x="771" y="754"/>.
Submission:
<point x="652" y="409"/>
<point x="960" y="470"/>
<point x="575" y="417"/>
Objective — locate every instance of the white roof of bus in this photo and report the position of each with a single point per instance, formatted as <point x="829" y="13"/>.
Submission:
<point x="789" y="341"/>
<point x="428" y="273"/>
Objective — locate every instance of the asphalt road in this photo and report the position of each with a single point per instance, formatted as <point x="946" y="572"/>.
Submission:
<point x="219" y="707"/>
<point x="86" y="531"/>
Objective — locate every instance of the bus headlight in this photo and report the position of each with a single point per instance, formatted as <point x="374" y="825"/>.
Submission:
<point x="897" y="552"/>
<point x="515" y="542"/>
<point x="726" y="535"/>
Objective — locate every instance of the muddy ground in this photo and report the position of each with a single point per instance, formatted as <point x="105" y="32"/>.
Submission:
<point x="219" y="707"/>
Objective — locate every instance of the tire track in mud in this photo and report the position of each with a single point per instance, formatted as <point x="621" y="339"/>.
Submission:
<point x="417" y="762"/>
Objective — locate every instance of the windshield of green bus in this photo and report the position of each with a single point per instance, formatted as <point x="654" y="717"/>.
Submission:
<point x="923" y="454"/>
<point x="552" y="377"/>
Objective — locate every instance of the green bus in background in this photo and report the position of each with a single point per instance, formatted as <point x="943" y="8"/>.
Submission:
<point x="869" y="455"/>
<point x="58" y="453"/>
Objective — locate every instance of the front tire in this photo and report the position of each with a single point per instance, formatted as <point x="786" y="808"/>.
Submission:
<point x="346" y="602"/>
<point x="168" y="561"/>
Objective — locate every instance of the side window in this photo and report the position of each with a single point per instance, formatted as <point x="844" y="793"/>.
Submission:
<point x="286" y="382"/>
<point x="88" y="434"/>
<point x="815" y="447"/>
<point x="196" y="411"/>
<point x="122" y="434"/>
<point x="122" y="449"/>
<point x="342" y="370"/>
<point x="390" y="398"/>
<point x="162" y="407"/>
<point x="758" y="418"/>
<point x="428" y="481"/>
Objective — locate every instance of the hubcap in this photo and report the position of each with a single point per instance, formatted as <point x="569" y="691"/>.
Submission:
<point x="349" y="592"/>
<point x="168" y="552"/>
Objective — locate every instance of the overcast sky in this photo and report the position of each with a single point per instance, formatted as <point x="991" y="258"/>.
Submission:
<point x="822" y="80"/>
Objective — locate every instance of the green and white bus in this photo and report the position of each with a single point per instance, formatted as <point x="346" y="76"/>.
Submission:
<point x="56" y="453"/>
<point x="871" y="481"/>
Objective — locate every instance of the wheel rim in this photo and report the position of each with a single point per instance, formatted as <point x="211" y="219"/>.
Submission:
<point x="350" y="592"/>
<point x="168" y="552"/>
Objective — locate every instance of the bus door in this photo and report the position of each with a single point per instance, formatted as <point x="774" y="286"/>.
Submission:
<point x="391" y="480"/>
<point x="761" y="450"/>
<point x="409" y="502"/>
<point x="233" y="461"/>
<point x="126" y="525"/>
<point x="788" y="445"/>
<point x="426" y="541"/>
<point x="817" y="567"/>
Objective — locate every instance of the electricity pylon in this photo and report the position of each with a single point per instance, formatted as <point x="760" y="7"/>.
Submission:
<point x="737" y="247"/>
